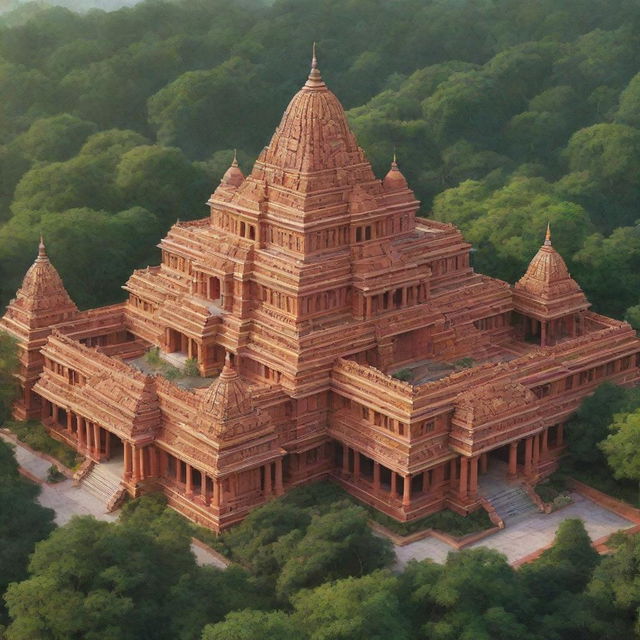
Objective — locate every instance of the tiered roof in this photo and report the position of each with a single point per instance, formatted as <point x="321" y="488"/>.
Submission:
<point x="547" y="290"/>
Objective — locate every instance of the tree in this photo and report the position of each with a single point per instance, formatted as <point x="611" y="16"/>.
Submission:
<point x="622" y="446"/>
<point x="98" y="580"/>
<point x="365" y="608"/>
<point x="255" y="625"/>
<point x="9" y="364"/>
<point x="614" y="591"/>
<point x="23" y="522"/>
<point x="336" y="544"/>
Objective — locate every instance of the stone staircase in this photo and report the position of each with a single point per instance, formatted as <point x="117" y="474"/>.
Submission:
<point x="511" y="502"/>
<point x="508" y="497"/>
<point x="102" y="483"/>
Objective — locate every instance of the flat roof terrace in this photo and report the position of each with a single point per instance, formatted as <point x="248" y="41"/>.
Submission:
<point x="174" y="367"/>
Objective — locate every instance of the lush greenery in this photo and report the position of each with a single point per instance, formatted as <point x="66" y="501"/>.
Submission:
<point x="505" y="114"/>
<point x="8" y="367"/>
<point x="23" y="522"/>
<point x="590" y="459"/>
<point x="33" y="434"/>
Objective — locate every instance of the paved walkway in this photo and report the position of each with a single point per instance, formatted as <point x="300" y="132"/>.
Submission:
<point x="526" y="535"/>
<point x="68" y="501"/>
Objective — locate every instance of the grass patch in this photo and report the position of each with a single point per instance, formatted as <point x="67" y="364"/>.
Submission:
<point x="166" y="369"/>
<point x="405" y="375"/>
<point x="33" y="434"/>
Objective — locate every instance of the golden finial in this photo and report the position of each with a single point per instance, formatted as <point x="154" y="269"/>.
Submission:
<point x="547" y="238"/>
<point x="234" y="163"/>
<point x="394" y="162"/>
<point x="314" y="60"/>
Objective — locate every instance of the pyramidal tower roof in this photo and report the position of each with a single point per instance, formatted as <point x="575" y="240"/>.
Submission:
<point x="547" y="290"/>
<point x="42" y="299"/>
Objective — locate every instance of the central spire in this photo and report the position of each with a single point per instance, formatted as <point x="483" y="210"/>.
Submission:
<point x="314" y="81"/>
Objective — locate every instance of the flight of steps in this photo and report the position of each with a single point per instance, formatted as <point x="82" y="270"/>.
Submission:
<point x="511" y="502"/>
<point x="101" y="483"/>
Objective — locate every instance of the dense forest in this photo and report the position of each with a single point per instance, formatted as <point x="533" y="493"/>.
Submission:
<point x="505" y="114"/>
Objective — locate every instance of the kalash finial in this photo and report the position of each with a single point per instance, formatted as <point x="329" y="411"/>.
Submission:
<point x="547" y="238"/>
<point x="42" y="251"/>
<point x="315" y="79"/>
<point x="234" y="163"/>
<point x="394" y="162"/>
<point x="228" y="371"/>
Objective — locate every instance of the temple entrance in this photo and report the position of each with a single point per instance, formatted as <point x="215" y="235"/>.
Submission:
<point x="213" y="289"/>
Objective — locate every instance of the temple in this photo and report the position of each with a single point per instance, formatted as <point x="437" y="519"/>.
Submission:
<point x="335" y="335"/>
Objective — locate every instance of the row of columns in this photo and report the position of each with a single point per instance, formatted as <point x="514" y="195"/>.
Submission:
<point x="216" y="497"/>
<point x="393" y="489"/>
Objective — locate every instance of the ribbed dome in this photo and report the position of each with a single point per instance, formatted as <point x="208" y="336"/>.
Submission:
<point x="228" y="397"/>
<point x="233" y="176"/>
<point x="547" y="289"/>
<point x="42" y="290"/>
<point x="394" y="180"/>
<point x="547" y="275"/>
<point x="313" y="134"/>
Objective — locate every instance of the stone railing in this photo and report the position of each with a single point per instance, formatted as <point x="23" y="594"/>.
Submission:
<point x="83" y="471"/>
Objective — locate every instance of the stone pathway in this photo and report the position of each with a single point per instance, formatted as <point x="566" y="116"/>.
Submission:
<point x="526" y="535"/>
<point x="68" y="501"/>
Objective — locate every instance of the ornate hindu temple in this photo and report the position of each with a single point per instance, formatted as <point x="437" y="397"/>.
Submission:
<point x="308" y="287"/>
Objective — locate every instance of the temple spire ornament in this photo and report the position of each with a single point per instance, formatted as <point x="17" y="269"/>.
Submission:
<point x="314" y="81"/>
<point x="547" y="238"/>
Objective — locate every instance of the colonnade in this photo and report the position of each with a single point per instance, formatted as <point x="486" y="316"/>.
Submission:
<point x="211" y="490"/>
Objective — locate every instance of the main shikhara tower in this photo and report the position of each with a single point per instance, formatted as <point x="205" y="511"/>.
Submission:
<point x="307" y="286"/>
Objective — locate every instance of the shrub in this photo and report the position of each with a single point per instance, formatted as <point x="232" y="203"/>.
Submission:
<point x="152" y="357"/>
<point x="33" y="434"/>
<point x="191" y="369"/>
<point x="54" y="474"/>
<point x="406" y="375"/>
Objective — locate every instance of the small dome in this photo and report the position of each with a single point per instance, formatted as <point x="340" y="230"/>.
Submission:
<point x="228" y="397"/>
<point x="394" y="180"/>
<point x="233" y="176"/>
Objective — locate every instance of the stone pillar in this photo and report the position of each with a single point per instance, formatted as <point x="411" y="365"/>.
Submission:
<point x="107" y="444"/>
<point x="356" y="465"/>
<point x="189" y="483"/>
<point x="473" y="479"/>
<point x="393" y="490"/>
<point x="376" y="475"/>
<point x="560" y="436"/>
<point x="81" y="434"/>
<point x="279" y="488"/>
<point x="543" y="334"/>
<point x="484" y="463"/>
<point x="345" y="459"/>
<point x="127" y="460"/>
<point x="205" y="493"/>
<point x="464" y="477"/>
<point x="216" y="492"/>
<point x="153" y="460"/>
<point x="536" y="451"/>
<point x="87" y="436"/>
<point x="136" y="463"/>
<point x="267" y="479"/>
<point x="528" y="450"/>
<point x="164" y="462"/>
<point x="513" y="460"/>
<point x="69" y="421"/>
<point x="406" y="491"/>
<point x="96" y="440"/>
<point x="143" y="464"/>
<point x="545" y="442"/>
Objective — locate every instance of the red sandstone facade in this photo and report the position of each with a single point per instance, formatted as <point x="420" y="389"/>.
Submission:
<point x="309" y="284"/>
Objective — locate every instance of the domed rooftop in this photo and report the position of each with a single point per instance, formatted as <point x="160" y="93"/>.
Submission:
<point x="42" y="291"/>
<point x="394" y="180"/>
<point x="548" y="284"/>
<point x="228" y="397"/>
<point x="313" y="134"/>
<point x="233" y="176"/>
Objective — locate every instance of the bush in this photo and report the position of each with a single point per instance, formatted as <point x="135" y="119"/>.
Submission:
<point x="54" y="474"/>
<point x="406" y="375"/>
<point x="191" y="369"/>
<point x="33" y="434"/>
<point x="152" y="357"/>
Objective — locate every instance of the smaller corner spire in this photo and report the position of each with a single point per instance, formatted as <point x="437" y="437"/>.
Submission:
<point x="234" y="162"/>
<point x="394" y="162"/>
<point x="314" y="81"/>
<point x="547" y="237"/>
<point x="229" y="370"/>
